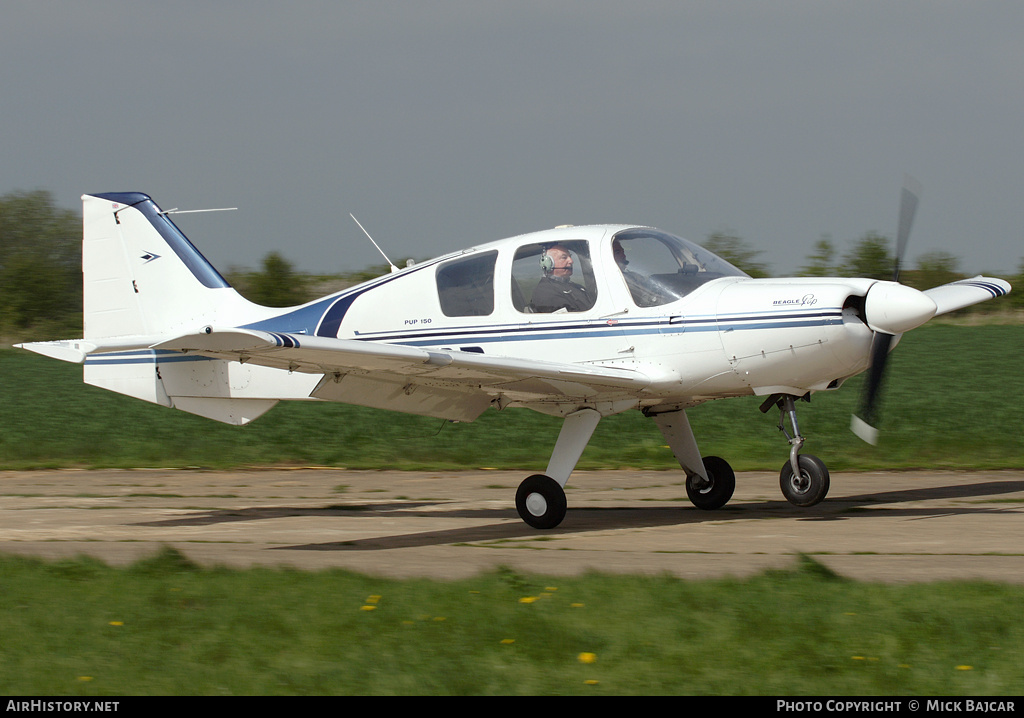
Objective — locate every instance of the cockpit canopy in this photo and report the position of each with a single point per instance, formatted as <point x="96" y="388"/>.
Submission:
<point x="564" y="275"/>
<point x="660" y="268"/>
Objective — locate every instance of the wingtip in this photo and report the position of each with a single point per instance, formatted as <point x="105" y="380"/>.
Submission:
<point x="864" y="430"/>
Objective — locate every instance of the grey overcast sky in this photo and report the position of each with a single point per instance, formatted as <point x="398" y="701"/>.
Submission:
<point x="443" y="124"/>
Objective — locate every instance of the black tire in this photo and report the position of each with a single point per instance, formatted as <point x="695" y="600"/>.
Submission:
<point x="812" y="485"/>
<point x="540" y="502"/>
<point x="716" y="494"/>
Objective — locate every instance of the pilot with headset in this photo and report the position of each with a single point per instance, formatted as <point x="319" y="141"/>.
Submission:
<point x="555" y="291"/>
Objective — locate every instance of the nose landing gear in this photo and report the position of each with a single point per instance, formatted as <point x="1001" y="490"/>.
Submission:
<point x="804" y="479"/>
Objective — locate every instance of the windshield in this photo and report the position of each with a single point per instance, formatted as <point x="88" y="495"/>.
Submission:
<point x="660" y="268"/>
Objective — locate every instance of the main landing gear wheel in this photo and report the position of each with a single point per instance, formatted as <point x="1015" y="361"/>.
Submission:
<point x="540" y="502"/>
<point x="717" y="491"/>
<point x="810" y="487"/>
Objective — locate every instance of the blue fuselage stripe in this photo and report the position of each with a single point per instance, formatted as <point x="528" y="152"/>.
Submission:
<point x="519" y="332"/>
<point x="522" y="333"/>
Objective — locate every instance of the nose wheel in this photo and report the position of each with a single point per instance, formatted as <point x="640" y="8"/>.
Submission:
<point x="809" y="486"/>
<point x="804" y="479"/>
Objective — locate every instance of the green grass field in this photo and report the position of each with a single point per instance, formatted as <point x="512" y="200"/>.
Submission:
<point x="954" y="399"/>
<point x="167" y="627"/>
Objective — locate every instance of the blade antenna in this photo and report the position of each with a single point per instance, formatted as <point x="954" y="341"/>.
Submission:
<point x="390" y="263"/>
<point x="196" y="211"/>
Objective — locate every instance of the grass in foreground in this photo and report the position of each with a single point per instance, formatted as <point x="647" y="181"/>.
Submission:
<point x="166" y="627"/>
<point x="954" y="399"/>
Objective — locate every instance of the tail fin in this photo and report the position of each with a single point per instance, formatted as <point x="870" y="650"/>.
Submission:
<point x="142" y="277"/>
<point x="144" y="283"/>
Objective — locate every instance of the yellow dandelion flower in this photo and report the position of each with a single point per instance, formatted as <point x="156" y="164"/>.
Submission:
<point x="527" y="599"/>
<point x="508" y="641"/>
<point x="965" y="668"/>
<point x="368" y="608"/>
<point x="587" y="657"/>
<point x="373" y="599"/>
<point x="575" y="605"/>
<point x="85" y="678"/>
<point x="117" y="623"/>
<point x="590" y="682"/>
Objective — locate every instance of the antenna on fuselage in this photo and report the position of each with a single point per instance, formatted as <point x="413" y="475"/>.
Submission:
<point x="195" y="211"/>
<point x="390" y="263"/>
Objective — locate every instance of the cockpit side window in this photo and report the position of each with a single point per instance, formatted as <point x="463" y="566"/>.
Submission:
<point x="553" y="278"/>
<point x="465" y="286"/>
<point x="659" y="268"/>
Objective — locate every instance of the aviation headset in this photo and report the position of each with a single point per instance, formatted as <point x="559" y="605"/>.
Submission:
<point x="547" y="264"/>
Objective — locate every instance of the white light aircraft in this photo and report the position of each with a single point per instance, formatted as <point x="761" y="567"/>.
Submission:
<point x="575" y="322"/>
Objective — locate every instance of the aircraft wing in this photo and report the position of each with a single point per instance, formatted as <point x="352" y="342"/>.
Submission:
<point x="964" y="293"/>
<point x="446" y="383"/>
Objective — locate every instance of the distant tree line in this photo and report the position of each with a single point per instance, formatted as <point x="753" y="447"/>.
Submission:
<point x="40" y="266"/>
<point x="41" y="281"/>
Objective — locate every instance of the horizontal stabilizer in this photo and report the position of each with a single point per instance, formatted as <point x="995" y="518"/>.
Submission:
<point x="77" y="350"/>
<point x="69" y="350"/>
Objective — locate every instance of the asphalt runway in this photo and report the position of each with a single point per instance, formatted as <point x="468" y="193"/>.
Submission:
<point x="889" y="527"/>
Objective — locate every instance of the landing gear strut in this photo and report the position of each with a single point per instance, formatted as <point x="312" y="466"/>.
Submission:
<point x="804" y="479"/>
<point x="540" y="499"/>
<point x="710" y="481"/>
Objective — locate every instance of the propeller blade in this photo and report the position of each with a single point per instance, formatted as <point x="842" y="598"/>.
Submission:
<point x="908" y="208"/>
<point x="865" y="423"/>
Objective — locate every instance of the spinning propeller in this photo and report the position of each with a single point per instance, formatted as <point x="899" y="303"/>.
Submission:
<point x="890" y="309"/>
